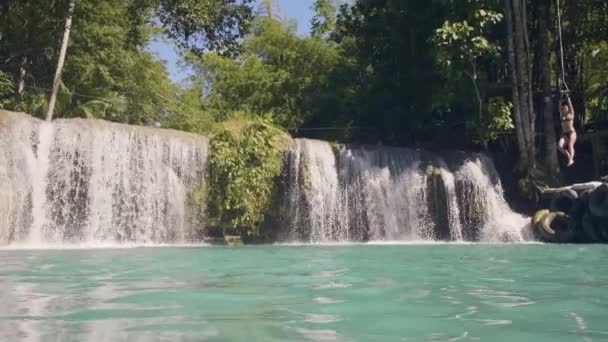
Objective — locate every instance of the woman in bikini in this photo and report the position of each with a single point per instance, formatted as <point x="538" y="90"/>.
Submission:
<point x="568" y="138"/>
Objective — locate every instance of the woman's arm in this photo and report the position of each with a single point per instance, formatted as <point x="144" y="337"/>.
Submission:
<point x="571" y="107"/>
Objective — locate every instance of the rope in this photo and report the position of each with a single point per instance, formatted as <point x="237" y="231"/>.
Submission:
<point x="561" y="48"/>
<point x="326" y="128"/>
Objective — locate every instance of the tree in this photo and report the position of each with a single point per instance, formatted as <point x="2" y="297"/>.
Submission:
<point x="201" y="25"/>
<point x="518" y="46"/>
<point x="28" y="29"/>
<point x="6" y="88"/>
<point x="584" y="30"/>
<point x="278" y="74"/>
<point x="108" y="73"/>
<point x="544" y="61"/>
<point x="461" y="46"/>
<point x="61" y="60"/>
<point x="395" y="67"/>
<point x="324" y="20"/>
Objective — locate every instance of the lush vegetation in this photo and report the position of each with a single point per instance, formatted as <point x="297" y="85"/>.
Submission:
<point x="246" y="157"/>
<point x="109" y="73"/>
<point x="446" y="73"/>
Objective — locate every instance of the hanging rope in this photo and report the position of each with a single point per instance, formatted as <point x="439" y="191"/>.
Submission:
<point x="561" y="50"/>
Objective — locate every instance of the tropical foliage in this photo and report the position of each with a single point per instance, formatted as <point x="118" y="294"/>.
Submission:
<point x="455" y="74"/>
<point x="246" y="157"/>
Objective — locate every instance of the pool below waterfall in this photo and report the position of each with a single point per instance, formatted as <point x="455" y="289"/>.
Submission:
<point x="384" y="292"/>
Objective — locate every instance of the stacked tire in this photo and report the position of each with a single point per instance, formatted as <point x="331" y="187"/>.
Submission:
<point x="576" y="214"/>
<point x="595" y="219"/>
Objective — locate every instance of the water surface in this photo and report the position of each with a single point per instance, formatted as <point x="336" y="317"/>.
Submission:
<point x="306" y="293"/>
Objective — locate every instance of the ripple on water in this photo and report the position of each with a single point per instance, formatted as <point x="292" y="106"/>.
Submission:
<point x="326" y="300"/>
<point x="502" y="299"/>
<point x="415" y="294"/>
<point x="330" y="285"/>
<point x="319" y="334"/>
<point x="448" y="338"/>
<point x="491" y="322"/>
<point x="328" y="274"/>
<point x="321" y="319"/>
<point x="214" y="293"/>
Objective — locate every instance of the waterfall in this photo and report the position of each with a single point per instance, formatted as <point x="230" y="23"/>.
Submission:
<point x="484" y="209"/>
<point x="77" y="181"/>
<point x="376" y="193"/>
<point x="88" y="180"/>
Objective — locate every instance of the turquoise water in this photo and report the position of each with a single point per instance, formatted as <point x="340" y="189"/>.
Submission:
<point x="307" y="293"/>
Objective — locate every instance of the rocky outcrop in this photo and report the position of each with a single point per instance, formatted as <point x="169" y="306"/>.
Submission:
<point x="573" y="214"/>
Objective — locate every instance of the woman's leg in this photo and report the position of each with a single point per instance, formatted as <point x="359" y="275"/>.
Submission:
<point x="571" y="142"/>
<point x="561" y="144"/>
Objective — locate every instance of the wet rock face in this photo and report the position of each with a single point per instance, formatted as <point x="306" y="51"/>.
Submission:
<point x="438" y="204"/>
<point x="472" y="212"/>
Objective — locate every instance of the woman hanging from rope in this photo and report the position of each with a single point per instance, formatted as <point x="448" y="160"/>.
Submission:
<point x="568" y="138"/>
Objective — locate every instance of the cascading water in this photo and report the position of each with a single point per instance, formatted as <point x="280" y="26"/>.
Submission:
<point x="358" y="193"/>
<point x="87" y="180"/>
<point x="93" y="181"/>
<point x="386" y="191"/>
<point x="483" y="208"/>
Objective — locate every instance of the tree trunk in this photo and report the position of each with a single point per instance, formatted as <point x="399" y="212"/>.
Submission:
<point x="519" y="60"/>
<point x="544" y="64"/>
<point x="528" y="68"/>
<point x="580" y="86"/>
<point x="61" y="60"/>
<point x="473" y="78"/>
<point x="22" y="77"/>
<point x="517" y="114"/>
<point x="522" y="68"/>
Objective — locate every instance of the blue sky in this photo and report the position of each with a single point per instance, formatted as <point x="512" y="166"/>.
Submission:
<point x="301" y="10"/>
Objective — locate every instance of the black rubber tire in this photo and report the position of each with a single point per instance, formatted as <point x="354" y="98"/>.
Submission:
<point x="557" y="227"/>
<point x="564" y="201"/>
<point x="584" y="196"/>
<point x="578" y="210"/>
<point x="601" y="228"/>
<point x="598" y="202"/>
<point x="590" y="231"/>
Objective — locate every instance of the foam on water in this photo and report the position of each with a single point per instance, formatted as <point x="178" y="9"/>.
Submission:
<point x="96" y="245"/>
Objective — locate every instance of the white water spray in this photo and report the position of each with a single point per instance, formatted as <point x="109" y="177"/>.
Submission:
<point x="358" y="193"/>
<point x="89" y="181"/>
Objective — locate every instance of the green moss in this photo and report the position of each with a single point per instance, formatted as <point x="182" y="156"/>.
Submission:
<point x="335" y="148"/>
